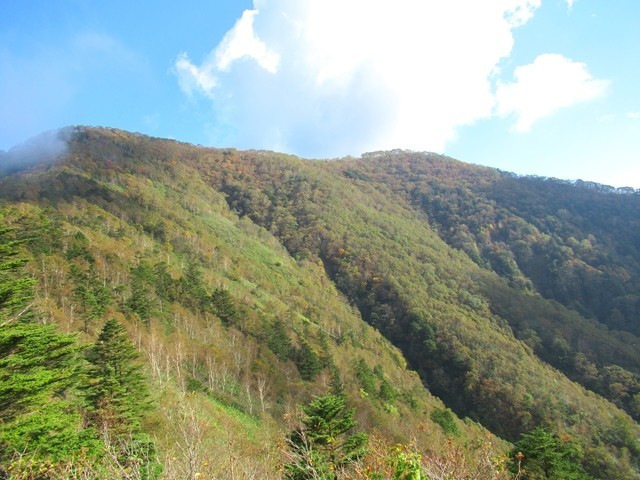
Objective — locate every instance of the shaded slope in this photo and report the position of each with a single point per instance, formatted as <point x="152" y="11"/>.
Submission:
<point x="574" y="244"/>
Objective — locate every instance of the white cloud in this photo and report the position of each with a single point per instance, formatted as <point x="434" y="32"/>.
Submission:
<point x="192" y="78"/>
<point x="633" y="115"/>
<point x="238" y="43"/>
<point x="540" y="89"/>
<point x="329" y="77"/>
<point x="241" y="42"/>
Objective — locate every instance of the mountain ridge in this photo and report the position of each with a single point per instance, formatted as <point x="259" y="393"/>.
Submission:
<point x="422" y="257"/>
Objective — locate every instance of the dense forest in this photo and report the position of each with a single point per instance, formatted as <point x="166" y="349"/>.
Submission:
<point x="173" y="311"/>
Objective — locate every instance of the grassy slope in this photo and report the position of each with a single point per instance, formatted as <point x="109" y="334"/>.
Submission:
<point x="148" y="205"/>
<point x="360" y="250"/>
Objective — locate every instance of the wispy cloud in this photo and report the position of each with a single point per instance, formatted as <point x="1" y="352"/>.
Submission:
<point x="540" y="89"/>
<point x="328" y="78"/>
<point x="193" y="79"/>
<point x="44" y="148"/>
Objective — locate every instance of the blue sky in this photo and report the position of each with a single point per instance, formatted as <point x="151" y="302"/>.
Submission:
<point x="544" y="87"/>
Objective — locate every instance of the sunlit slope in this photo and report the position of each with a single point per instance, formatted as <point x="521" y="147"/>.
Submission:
<point x="323" y="245"/>
<point x="235" y="332"/>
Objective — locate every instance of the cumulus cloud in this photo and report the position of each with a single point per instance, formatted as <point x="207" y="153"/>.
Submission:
<point x="550" y="83"/>
<point x="329" y="78"/>
<point x="241" y="42"/>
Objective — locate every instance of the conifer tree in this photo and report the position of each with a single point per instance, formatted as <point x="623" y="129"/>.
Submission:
<point x="224" y="306"/>
<point x="279" y="341"/>
<point x="163" y="283"/>
<point x="193" y="286"/>
<point x="140" y="300"/>
<point x="322" y="447"/>
<point x="541" y="455"/>
<point x="117" y="396"/>
<point x="93" y="295"/>
<point x="15" y="288"/>
<point x="39" y="367"/>
<point x="307" y="361"/>
<point x="116" y="392"/>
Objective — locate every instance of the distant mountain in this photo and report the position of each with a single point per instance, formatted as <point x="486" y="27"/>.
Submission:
<point x="253" y="280"/>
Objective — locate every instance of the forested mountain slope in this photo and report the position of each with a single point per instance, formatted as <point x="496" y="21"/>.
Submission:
<point x="575" y="244"/>
<point x="245" y="277"/>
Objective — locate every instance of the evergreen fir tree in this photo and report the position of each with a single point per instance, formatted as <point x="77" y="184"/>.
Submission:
<point x="39" y="367"/>
<point x="140" y="301"/>
<point x="366" y="377"/>
<point x="93" y="295"/>
<point x="39" y="419"/>
<point x="307" y="361"/>
<point x="15" y="287"/>
<point x="117" y="396"/>
<point x="279" y="341"/>
<point x="163" y="282"/>
<point x="116" y="392"/>
<point x="323" y="447"/>
<point x="224" y="306"/>
<point x="541" y="455"/>
<point x="193" y="285"/>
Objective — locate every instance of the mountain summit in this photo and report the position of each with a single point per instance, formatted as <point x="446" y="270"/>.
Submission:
<point x="421" y="289"/>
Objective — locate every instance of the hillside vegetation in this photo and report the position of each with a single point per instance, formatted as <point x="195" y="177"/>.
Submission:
<point x="455" y="309"/>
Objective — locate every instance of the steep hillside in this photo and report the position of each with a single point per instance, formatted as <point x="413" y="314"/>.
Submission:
<point x="234" y="332"/>
<point x="245" y="277"/>
<point x="574" y="244"/>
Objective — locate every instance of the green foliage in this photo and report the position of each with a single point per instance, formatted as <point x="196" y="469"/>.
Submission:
<point x="15" y="287"/>
<point x="307" y="361"/>
<point x="446" y="419"/>
<point x="79" y="248"/>
<point x="323" y="447"/>
<point x="140" y="301"/>
<point x="540" y="455"/>
<point x="163" y="282"/>
<point x="406" y="465"/>
<point x="117" y="397"/>
<point x="38" y="369"/>
<point x="35" y="362"/>
<point x="225" y="307"/>
<point x="194" y="291"/>
<point x="116" y="389"/>
<point x="51" y="432"/>
<point x="365" y="375"/>
<point x="620" y="434"/>
<point x="480" y="279"/>
<point x="279" y="341"/>
<point x="387" y="392"/>
<point x="92" y="294"/>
